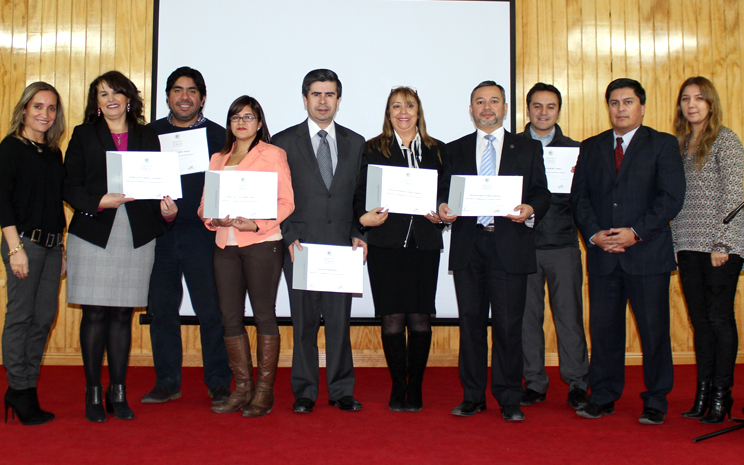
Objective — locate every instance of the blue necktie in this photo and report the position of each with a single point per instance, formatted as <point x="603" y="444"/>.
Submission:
<point x="324" y="159"/>
<point x="488" y="168"/>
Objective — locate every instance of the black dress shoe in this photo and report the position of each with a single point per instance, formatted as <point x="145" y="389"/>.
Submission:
<point x="530" y="396"/>
<point x="577" y="398"/>
<point x="512" y="413"/>
<point x="219" y="394"/>
<point x="303" y="405"/>
<point x="592" y="410"/>
<point x="468" y="409"/>
<point x="346" y="403"/>
<point x="651" y="416"/>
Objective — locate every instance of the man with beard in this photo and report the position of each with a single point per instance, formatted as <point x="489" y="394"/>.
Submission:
<point x="186" y="251"/>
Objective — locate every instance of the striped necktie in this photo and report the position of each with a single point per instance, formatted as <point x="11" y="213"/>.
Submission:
<point x="488" y="168"/>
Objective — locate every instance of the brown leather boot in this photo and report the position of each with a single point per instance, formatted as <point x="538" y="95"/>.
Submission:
<point x="268" y="358"/>
<point x="239" y="356"/>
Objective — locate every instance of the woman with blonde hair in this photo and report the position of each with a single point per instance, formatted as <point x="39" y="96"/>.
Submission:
<point x="709" y="252"/>
<point x="32" y="220"/>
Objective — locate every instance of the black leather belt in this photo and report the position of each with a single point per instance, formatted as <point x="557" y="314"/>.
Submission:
<point x="488" y="228"/>
<point x="42" y="238"/>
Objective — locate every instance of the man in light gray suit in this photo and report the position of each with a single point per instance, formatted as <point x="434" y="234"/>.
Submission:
<point x="324" y="159"/>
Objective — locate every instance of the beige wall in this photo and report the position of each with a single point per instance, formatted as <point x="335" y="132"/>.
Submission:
<point x="577" y="45"/>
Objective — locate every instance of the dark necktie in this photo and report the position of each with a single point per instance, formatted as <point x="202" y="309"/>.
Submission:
<point x="324" y="159"/>
<point x="618" y="153"/>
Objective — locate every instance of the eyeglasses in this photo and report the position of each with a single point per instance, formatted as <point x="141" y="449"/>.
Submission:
<point x="246" y="118"/>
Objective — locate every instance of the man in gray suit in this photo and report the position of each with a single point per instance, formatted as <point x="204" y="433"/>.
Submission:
<point x="325" y="159"/>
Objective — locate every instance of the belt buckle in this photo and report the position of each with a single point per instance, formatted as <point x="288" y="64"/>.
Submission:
<point x="36" y="235"/>
<point x="52" y="240"/>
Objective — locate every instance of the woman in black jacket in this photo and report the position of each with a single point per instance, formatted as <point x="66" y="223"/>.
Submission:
<point x="111" y="238"/>
<point x="404" y="250"/>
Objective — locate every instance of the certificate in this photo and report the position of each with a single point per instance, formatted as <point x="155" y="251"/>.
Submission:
<point x="559" y="161"/>
<point x="402" y="190"/>
<point x="250" y="194"/>
<point x="328" y="268"/>
<point x="143" y="175"/>
<point x="192" y="149"/>
<point x="484" y="195"/>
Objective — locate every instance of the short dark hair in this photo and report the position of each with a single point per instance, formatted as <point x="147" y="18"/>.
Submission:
<point x="542" y="87"/>
<point x="624" y="83"/>
<point x="322" y="75"/>
<point x="192" y="73"/>
<point x="119" y="83"/>
<point x="236" y="107"/>
<point x="488" y="84"/>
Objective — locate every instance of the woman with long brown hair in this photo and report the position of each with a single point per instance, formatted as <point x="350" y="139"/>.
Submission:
<point x="32" y="220"/>
<point x="709" y="252"/>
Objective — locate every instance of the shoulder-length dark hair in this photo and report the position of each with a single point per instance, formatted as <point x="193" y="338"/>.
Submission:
<point x="121" y="84"/>
<point x="236" y="107"/>
<point x="382" y="142"/>
<point x="712" y="126"/>
<point x="53" y="135"/>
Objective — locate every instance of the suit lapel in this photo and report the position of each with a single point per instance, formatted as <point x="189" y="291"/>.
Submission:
<point x="631" y="153"/>
<point x="305" y="147"/>
<point x="607" y="151"/>
<point x="104" y="136"/>
<point x="343" y="148"/>
<point x="396" y="154"/>
<point x="468" y="146"/>
<point x="508" y="153"/>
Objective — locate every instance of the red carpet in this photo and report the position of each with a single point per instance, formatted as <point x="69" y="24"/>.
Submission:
<point x="185" y="431"/>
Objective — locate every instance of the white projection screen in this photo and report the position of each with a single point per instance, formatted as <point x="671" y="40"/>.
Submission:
<point x="265" y="48"/>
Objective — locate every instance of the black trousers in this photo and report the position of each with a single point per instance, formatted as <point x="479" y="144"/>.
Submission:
<point x="710" y="292"/>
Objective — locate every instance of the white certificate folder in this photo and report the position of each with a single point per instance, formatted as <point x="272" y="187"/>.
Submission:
<point x="144" y="175"/>
<point x="559" y="161"/>
<point x="192" y="149"/>
<point x="401" y="190"/>
<point x="250" y="194"/>
<point x="484" y="195"/>
<point x="328" y="268"/>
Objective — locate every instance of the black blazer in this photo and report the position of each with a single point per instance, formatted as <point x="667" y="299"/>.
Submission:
<point x="514" y="241"/>
<point x="86" y="184"/>
<point x="393" y="232"/>
<point x="646" y="194"/>
<point x="321" y="215"/>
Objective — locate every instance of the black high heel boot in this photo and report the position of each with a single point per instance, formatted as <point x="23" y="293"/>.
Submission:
<point x="394" y="346"/>
<point x="419" y="343"/>
<point x="94" y="404"/>
<point x="116" y="402"/>
<point x="20" y="403"/>
<point x="702" y="399"/>
<point x="720" y="406"/>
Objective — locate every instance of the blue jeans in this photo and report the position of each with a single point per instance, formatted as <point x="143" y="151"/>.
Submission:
<point x="185" y="250"/>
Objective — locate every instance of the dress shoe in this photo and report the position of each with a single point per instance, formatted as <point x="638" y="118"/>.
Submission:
<point x="530" y="396"/>
<point x="346" y="403"/>
<point x="303" y="405"/>
<point x="651" y="416"/>
<point x="468" y="409"/>
<point x="159" y="395"/>
<point x="512" y="412"/>
<point x="219" y="394"/>
<point x="592" y="410"/>
<point x="577" y="398"/>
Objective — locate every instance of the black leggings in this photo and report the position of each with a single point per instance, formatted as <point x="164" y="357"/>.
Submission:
<point x="396" y="323"/>
<point x="108" y="328"/>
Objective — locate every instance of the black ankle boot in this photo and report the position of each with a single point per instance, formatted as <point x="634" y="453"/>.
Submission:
<point x="720" y="406"/>
<point x="116" y="402"/>
<point x="419" y="343"/>
<point x="20" y="403"/>
<point x="394" y="346"/>
<point x="94" y="404"/>
<point x="702" y="399"/>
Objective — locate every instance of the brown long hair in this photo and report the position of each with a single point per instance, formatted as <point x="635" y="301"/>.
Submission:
<point x="712" y="126"/>
<point x="54" y="134"/>
<point x="121" y="84"/>
<point x="382" y="142"/>
<point x="236" y="107"/>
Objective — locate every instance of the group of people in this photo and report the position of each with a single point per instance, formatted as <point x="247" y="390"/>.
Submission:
<point x="630" y="182"/>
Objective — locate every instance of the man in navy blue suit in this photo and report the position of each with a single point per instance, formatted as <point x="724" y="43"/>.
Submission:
<point x="628" y="185"/>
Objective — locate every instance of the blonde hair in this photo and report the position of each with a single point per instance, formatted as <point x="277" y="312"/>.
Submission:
<point x="53" y="135"/>
<point x="712" y="126"/>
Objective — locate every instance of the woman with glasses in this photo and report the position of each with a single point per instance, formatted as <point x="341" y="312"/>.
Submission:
<point x="404" y="250"/>
<point x="709" y="251"/>
<point x="32" y="220"/>
<point x="248" y="257"/>
<point x="111" y="241"/>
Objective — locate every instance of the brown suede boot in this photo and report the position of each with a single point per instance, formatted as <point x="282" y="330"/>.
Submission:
<point x="268" y="358"/>
<point x="239" y="356"/>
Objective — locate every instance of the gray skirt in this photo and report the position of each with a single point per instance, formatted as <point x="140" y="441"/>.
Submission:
<point x="117" y="276"/>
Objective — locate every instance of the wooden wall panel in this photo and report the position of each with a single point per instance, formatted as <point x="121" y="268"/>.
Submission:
<point x="578" y="45"/>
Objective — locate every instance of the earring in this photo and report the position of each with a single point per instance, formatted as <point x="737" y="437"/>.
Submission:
<point x="128" y="107"/>
<point x="99" y="111"/>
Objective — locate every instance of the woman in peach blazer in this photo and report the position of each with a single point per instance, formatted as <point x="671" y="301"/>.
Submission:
<point x="248" y="257"/>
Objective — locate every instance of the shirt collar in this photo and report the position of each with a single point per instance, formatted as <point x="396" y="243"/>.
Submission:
<point x="415" y="140"/>
<point x="499" y="134"/>
<point x="199" y="121"/>
<point x="544" y="140"/>
<point x="314" y="128"/>
<point x="626" y="138"/>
